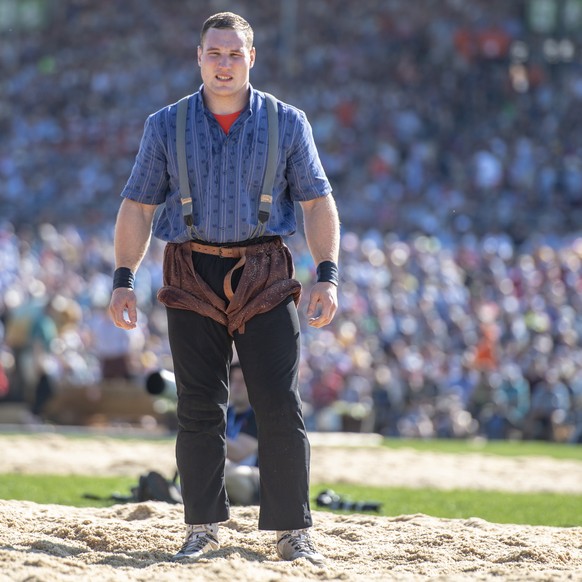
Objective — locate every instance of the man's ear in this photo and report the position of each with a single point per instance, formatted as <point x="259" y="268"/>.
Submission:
<point x="199" y="54"/>
<point x="253" y="55"/>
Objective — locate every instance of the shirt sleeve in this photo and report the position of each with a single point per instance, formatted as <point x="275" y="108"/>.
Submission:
<point x="305" y="174"/>
<point x="148" y="182"/>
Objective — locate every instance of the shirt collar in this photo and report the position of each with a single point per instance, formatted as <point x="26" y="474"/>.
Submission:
<point x="251" y="106"/>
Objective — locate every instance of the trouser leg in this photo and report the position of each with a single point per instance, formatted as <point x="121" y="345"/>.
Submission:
<point x="269" y="357"/>
<point x="201" y="351"/>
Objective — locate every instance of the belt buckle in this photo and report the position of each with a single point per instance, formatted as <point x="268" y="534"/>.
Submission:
<point x="220" y="252"/>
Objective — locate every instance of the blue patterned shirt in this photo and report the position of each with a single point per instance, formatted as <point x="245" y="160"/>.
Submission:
<point x="226" y="171"/>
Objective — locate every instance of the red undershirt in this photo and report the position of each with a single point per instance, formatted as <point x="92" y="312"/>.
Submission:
<point x="227" y="120"/>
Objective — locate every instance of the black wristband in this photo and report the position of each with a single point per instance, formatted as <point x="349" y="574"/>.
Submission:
<point x="327" y="272"/>
<point x="123" y="277"/>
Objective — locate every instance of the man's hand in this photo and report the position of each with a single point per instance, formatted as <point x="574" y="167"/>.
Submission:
<point x="123" y="300"/>
<point x="322" y="304"/>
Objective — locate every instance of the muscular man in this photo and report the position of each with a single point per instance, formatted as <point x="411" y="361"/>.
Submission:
<point x="228" y="279"/>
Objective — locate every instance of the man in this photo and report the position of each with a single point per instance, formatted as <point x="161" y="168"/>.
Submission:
<point x="225" y="284"/>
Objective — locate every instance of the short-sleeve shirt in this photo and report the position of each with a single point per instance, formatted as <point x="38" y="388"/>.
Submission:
<point x="226" y="171"/>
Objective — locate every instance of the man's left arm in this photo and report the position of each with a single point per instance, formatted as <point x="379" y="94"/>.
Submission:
<point x="322" y="232"/>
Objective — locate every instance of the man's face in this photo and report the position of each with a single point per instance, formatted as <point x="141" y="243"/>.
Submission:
<point x="225" y="62"/>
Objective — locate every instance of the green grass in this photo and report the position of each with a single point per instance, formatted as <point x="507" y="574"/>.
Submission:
<point x="64" y="489"/>
<point x="550" y="509"/>
<point x="523" y="508"/>
<point x="501" y="448"/>
<point x="498" y="507"/>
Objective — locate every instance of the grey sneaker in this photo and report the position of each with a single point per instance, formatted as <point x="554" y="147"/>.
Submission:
<point x="296" y="543"/>
<point x="199" y="540"/>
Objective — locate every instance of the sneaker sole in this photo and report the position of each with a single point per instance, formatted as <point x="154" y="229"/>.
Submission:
<point x="180" y="557"/>
<point x="192" y="558"/>
<point x="315" y="561"/>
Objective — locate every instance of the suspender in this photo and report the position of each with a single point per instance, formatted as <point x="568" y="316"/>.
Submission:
<point x="268" y="183"/>
<point x="182" y="164"/>
<point x="267" y="190"/>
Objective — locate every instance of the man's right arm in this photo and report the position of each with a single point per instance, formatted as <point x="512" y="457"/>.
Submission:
<point x="133" y="230"/>
<point x="241" y="447"/>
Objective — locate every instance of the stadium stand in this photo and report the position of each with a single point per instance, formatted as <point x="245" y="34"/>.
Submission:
<point x="451" y="133"/>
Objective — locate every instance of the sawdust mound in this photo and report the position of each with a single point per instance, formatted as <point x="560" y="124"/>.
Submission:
<point x="135" y="541"/>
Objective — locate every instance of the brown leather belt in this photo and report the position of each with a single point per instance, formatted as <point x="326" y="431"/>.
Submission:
<point x="226" y="253"/>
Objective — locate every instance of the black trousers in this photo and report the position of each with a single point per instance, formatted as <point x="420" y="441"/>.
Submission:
<point x="268" y="351"/>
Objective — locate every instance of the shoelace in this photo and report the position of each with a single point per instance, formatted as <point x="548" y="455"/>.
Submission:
<point x="196" y="541"/>
<point x="300" y="541"/>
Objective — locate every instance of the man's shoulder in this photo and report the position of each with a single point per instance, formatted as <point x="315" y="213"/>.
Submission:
<point x="286" y="109"/>
<point x="170" y="110"/>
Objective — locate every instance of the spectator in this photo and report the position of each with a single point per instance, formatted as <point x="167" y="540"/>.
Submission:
<point x="242" y="447"/>
<point x="458" y="185"/>
<point x="549" y="405"/>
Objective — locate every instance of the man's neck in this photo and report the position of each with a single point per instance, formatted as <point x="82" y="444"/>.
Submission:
<point x="225" y="105"/>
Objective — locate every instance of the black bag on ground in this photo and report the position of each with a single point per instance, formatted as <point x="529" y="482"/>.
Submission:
<point x="152" y="486"/>
<point x="155" y="487"/>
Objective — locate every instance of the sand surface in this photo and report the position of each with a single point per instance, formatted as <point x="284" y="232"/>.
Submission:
<point x="131" y="542"/>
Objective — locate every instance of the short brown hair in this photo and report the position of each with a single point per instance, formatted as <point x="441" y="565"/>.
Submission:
<point x="228" y="20"/>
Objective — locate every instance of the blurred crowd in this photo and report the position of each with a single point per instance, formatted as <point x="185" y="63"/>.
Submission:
<point x="452" y="139"/>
